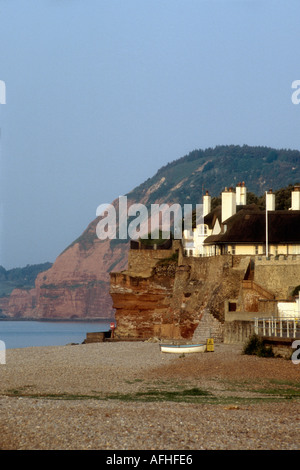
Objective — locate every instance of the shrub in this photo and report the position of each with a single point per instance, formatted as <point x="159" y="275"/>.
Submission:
<point x="256" y="347"/>
<point x="171" y="259"/>
<point x="296" y="291"/>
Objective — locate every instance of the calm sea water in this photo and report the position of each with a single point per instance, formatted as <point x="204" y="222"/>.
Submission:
<point x="22" y="334"/>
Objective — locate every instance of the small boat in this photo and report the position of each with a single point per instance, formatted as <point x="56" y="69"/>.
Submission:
<point x="182" y="348"/>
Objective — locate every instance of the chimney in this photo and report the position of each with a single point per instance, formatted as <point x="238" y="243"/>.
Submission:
<point x="228" y="203"/>
<point x="270" y="201"/>
<point x="241" y="194"/>
<point x="206" y="204"/>
<point x="295" y="199"/>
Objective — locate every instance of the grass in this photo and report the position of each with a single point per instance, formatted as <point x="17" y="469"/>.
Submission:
<point x="285" y="389"/>
<point x="187" y="395"/>
<point x="270" y="392"/>
<point x="133" y="381"/>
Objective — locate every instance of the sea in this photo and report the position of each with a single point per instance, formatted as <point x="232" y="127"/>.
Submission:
<point x="23" y="334"/>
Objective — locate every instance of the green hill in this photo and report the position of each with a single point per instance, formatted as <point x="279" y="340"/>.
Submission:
<point x="185" y="180"/>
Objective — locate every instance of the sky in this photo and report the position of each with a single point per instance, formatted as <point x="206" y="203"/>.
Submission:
<point x="100" y="94"/>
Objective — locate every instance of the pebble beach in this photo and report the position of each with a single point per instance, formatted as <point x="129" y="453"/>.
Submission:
<point x="130" y="396"/>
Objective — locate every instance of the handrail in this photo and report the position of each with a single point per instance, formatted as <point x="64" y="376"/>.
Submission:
<point x="282" y="327"/>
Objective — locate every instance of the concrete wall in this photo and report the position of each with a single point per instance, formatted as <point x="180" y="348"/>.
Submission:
<point x="239" y="316"/>
<point x="289" y="309"/>
<point x="279" y="276"/>
<point x="141" y="262"/>
<point x="95" y="337"/>
<point x="238" y="331"/>
<point x="200" y="268"/>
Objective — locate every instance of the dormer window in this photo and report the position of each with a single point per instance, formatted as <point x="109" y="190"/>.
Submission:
<point x="203" y="230"/>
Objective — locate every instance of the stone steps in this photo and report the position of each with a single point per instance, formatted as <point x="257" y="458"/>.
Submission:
<point x="209" y="327"/>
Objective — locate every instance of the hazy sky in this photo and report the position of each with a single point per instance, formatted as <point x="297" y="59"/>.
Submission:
<point x="101" y="93"/>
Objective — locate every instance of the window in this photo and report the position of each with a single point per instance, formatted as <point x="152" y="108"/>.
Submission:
<point x="233" y="249"/>
<point x="202" y="230"/>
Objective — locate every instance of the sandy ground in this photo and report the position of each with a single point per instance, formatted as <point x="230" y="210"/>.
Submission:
<point x="130" y="396"/>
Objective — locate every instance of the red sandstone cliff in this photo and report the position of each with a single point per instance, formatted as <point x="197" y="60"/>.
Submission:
<point x="158" y="297"/>
<point x="76" y="286"/>
<point x="19" y="304"/>
<point x="78" y="283"/>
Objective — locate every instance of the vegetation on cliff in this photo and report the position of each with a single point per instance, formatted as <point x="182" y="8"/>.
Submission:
<point x="185" y="180"/>
<point x="22" y="278"/>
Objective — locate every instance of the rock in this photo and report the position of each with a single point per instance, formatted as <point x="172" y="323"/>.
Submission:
<point x="153" y="340"/>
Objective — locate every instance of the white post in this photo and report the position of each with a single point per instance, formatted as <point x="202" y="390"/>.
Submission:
<point x="256" y="325"/>
<point x="280" y="328"/>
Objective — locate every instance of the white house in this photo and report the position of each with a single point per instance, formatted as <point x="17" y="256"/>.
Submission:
<point x="241" y="229"/>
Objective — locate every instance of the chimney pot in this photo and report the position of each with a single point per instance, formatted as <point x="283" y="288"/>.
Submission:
<point x="295" y="198"/>
<point x="206" y="204"/>
<point x="241" y="194"/>
<point x="270" y="200"/>
<point x="228" y="203"/>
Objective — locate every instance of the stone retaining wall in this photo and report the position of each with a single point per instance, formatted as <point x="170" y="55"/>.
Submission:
<point x="238" y="331"/>
<point x="281" y="346"/>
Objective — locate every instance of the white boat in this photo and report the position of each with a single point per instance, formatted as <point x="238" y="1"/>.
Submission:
<point x="182" y="348"/>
